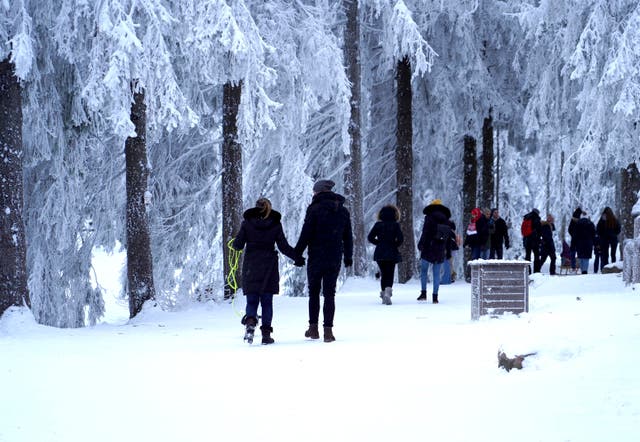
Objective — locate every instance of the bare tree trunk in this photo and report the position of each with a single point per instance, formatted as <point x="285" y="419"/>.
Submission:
<point x="548" y="185"/>
<point x="353" y="178"/>
<point x="404" y="169"/>
<point x="498" y="165"/>
<point x="13" y="249"/>
<point x="629" y="187"/>
<point x="469" y="189"/>
<point x="487" y="162"/>
<point x="231" y="174"/>
<point x="139" y="259"/>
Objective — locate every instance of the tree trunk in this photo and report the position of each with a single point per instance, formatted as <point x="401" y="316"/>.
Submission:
<point x="231" y="175"/>
<point x="404" y="169"/>
<point x="353" y="178"/>
<point x="487" y="162"/>
<point x="629" y="187"/>
<point x="469" y="189"/>
<point x="498" y="165"/>
<point x="13" y="249"/>
<point x="139" y="260"/>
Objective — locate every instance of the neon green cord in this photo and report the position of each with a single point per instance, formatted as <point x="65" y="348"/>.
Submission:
<point x="234" y="262"/>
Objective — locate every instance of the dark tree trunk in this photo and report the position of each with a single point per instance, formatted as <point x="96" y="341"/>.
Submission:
<point x="487" y="162"/>
<point x="404" y="169"/>
<point x="353" y="178"/>
<point x="469" y="189"/>
<point x="629" y="187"/>
<point x="231" y="175"/>
<point x="498" y="165"/>
<point x="13" y="249"/>
<point x="139" y="260"/>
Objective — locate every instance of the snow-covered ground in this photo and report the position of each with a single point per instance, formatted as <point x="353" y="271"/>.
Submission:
<point x="407" y="372"/>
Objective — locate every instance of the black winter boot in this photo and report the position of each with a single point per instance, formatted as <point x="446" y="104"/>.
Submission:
<point x="266" y="335"/>
<point x="423" y="295"/>
<point x="312" y="332"/>
<point x="328" y="335"/>
<point x="435" y="298"/>
<point x="250" y="323"/>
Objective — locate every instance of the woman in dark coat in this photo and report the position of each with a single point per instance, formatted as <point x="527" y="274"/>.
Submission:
<point x="608" y="231"/>
<point x="547" y="245"/>
<point x="387" y="237"/>
<point x="584" y="233"/>
<point x="436" y="234"/>
<point x="259" y="232"/>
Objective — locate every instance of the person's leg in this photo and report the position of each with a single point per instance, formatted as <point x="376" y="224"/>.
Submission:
<point x="614" y="246"/>
<point x="436" y="277"/>
<point x="386" y="273"/>
<point x="314" y="279"/>
<point x="492" y="252"/>
<point x="266" y="301"/>
<point x="536" y="257"/>
<point x="329" y="280"/>
<point x="604" y="253"/>
<point x="552" y="263"/>
<point x="541" y="261"/>
<point x="445" y="275"/>
<point x="475" y="253"/>
<point x="584" y="265"/>
<point x="499" y="252"/>
<point x="251" y="311"/>
<point x="424" y="268"/>
<point x="382" y="279"/>
<point x="572" y="251"/>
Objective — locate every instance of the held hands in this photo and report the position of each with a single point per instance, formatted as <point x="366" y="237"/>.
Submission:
<point x="348" y="262"/>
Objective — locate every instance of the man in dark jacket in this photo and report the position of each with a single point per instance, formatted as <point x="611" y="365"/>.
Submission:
<point x="326" y="233"/>
<point x="436" y="234"/>
<point x="499" y="234"/>
<point x="547" y="245"/>
<point x="532" y="241"/>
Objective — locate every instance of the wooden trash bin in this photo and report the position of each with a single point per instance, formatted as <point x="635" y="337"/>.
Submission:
<point x="499" y="286"/>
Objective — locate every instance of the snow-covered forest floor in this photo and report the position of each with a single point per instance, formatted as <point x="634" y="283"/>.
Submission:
<point x="406" y="372"/>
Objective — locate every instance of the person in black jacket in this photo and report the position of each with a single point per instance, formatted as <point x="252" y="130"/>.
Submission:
<point x="326" y="233"/>
<point x="259" y="232"/>
<point x="477" y="234"/>
<point x="608" y="231"/>
<point x="532" y="240"/>
<point x="499" y="234"/>
<point x="433" y="243"/>
<point x="547" y="246"/>
<point x="584" y="233"/>
<point x="386" y="234"/>
<point x="575" y="217"/>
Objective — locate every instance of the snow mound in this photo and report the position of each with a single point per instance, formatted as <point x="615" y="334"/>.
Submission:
<point x="17" y="319"/>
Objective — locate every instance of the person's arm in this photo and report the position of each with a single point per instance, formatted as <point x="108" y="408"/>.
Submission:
<point x="305" y="233"/>
<point x="241" y="238"/>
<point x="347" y="241"/>
<point x="399" y="235"/>
<point x="373" y="235"/>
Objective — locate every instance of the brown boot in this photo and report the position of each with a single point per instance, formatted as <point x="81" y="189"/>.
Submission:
<point x="266" y="335"/>
<point x="328" y="335"/>
<point x="312" y="332"/>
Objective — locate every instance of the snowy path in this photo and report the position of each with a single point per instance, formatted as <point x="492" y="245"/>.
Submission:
<point x="407" y="372"/>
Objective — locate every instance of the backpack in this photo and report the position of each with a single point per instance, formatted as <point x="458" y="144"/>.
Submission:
<point x="526" y="228"/>
<point x="443" y="232"/>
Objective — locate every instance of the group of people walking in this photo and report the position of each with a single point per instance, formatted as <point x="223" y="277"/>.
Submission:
<point x="587" y="240"/>
<point x="327" y="236"/>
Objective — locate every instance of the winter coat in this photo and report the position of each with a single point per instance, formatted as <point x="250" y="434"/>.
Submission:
<point x="500" y="234"/>
<point x="479" y="237"/>
<point x="572" y="229"/>
<point x="387" y="236"/>
<point x="533" y="241"/>
<point x="547" y="244"/>
<point x="258" y="236"/>
<point x="608" y="235"/>
<point x="583" y="238"/>
<point x="326" y="232"/>
<point x="432" y="247"/>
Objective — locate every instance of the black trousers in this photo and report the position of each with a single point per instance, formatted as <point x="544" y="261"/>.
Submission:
<point x="322" y="278"/>
<point x="532" y="246"/>
<point x="387" y="272"/>
<point x="495" y="252"/>
<point x="552" y="262"/>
